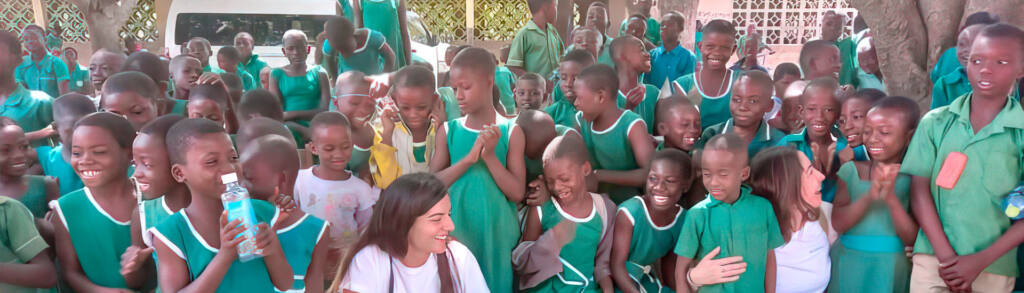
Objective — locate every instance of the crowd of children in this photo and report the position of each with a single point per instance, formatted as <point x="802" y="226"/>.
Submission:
<point x="626" y="164"/>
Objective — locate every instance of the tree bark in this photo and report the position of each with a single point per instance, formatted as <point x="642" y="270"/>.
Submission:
<point x="105" y="19"/>
<point x="902" y="46"/>
<point x="942" y="20"/>
<point x="1009" y="11"/>
<point x="688" y="8"/>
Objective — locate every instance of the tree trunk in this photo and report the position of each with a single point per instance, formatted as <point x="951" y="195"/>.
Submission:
<point x="688" y="8"/>
<point x="105" y="19"/>
<point x="942" y="20"/>
<point x="1009" y="11"/>
<point x="902" y="45"/>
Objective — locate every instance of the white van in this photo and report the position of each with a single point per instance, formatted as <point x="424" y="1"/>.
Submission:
<point x="267" y="20"/>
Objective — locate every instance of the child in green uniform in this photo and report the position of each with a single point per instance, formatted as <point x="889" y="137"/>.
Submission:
<point x="132" y="95"/>
<point x="712" y="82"/>
<point x="185" y="71"/>
<point x="39" y="69"/>
<point x="751" y="99"/>
<point x="54" y="160"/>
<point x="79" y="76"/>
<point x="251" y="63"/>
<point x="261" y="103"/>
<point x="537" y="46"/>
<point x="387" y="17"/>
<point x="353" y="100"/>
<point x="363" y="50"/>
<point x="531" y="93"/>
<point x="91" y="225"/>
<point x="270" y="165"/>
<point x="631" y="61"/>
<point x="730" y="218"/>
<point x="197" y="245"/>
<point x="647" y="226"/>
<point x="481" y="157"/>
<point x="405" y="141"/>
<point x="820" y="140"/>
<point x="505" y="81"/>
<point x="852" y="115"/>
<point x="964" y="220"/>
<point x="32" y="190"/>
<point x="831" y="30"/>
<point x="212" y="103"/>
<point x="820" y="58"/>
<point x="566" y="240"/>
<point x="228" y="58"/>
<point x="636" y="26"/>
<point x="199" y="48"/>
<point x="620" y="147"/>
<point x="31" y="109"/>
<point x="652" y="30"/>
<point x="27" y="265"/>
<point x="872" y="206"/>
<point x="103" y="63"/>
<point x="678" y="122"/>
<point x="539" y="130"/>
<point x="562" y="109"/>
<point x="158" y="71"/>
<point x="954" y="83"/>
<point x="304" y="91"/>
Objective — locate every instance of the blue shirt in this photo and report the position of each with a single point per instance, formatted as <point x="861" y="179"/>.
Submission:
<point x="43" y="75"/>
<point x="32" y="110"/>
<point x="669" y="64"/>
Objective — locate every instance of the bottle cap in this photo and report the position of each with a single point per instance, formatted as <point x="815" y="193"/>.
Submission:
<point x="228" y="178"/>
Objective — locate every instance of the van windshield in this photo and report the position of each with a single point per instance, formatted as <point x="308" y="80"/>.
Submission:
<point x="266" y="29"/>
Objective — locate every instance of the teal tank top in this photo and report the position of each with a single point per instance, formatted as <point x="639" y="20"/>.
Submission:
<point x="382" y="16"/>
<point x="299" y="93"/>
<point x="875" y="232"/>
<point x="577" y="257"/>
<point x="610" y="150"/>
<point x="713" y="110"/>
<point x="366" y="59"/>
<point x="35" y="197"/>
<point x="298" y="242"/>
<point x="98" y="239"/>
<point x="646" y="108"/>
<point x="650" y="242"/>
<point x="55" y="166"/>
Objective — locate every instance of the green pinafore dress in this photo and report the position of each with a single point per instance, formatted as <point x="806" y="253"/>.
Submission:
<point x="650" y="243"/>
<point x="577" y="257"/>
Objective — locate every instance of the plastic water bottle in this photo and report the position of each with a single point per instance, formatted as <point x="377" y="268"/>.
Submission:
<point x="1013" y="205"/>
<point x="237" y="203"/>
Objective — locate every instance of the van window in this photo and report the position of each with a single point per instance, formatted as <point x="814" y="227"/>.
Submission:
<point x="266" y="29"/>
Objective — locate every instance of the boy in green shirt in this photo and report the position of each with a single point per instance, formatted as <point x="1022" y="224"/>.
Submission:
<point x="632" y="61"/>
<point x="26" y="265"/>
<point x="963" y="230"/>
<point x="40" y="70"/>
<point x="562" y="109"/>
<point x="251" y="63"/>
<point x="653" y="29"/>
<point x="537" y="46"/>
<point x="199" y="48"/>
<point x="740" y="223"/>
<point x="229" y="58"/>
<point x="751" y="98"/>
<point x="30" y="109"/>
<point x="831" y="29"/>
<point x="955" y="84"/>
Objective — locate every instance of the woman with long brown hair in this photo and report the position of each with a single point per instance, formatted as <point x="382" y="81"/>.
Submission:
<point x="406" y="247"/>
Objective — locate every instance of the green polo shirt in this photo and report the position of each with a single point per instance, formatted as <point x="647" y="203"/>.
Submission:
<point x="253" y="66"/>
<point x="949" y="87"/>
<point x="747" y="228"/>
<point x="802" y="143"/>
<point x="767" y="136"/>
<point x="44" y="75"/>
<point x="536" y="50"/>
<point x="248" y="81"/>
<point x="563" y="112"/>
<point x="652" y="34"/>
<point x="971" y="213"/>
<point x="32" y="110"/>
<point x="19" y="239"/>
<point x="948" y="62"/>
<point x="78" y="78"/>
<point x="847" y="57"/>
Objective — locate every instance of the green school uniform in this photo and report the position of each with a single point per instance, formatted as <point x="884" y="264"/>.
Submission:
<point x="248" y="81"/>
<point x="451" y="106"/>
<point x="78" y="78"/>
<point x="713" y="110"/>
<point x="35" y="196"/>
<point x="31" y="109"/>
<point x="485" y="221"/>
<point x="179" y="235"/>
<point x="647" y="106"/>
<point x="298" y="242"/>
<point x="866" y="80"/>
<point x="155" y="211"/>
<point x="19" y="239"/>
<point x="847" y="57"/>
<point x="563" y="112"/>
<point x="535" y="168"/>
<point x="180" y="107"/>
<point x="210" y="68"/>
<point x="766" y="137"/>
<point x="505" y="80"/>
<point x="610" y="150"/>
<point x="802" y="143"/>
<point x="366" y="59"/>
<point x="578" y="255"/>
<point x="947" y="63"/>
<point x="870" y="255"/>
<point x="346" y="8"/>
<point x="55" y="166"/>
<point x="253" y="66"/>
<point x="360" y="157"/>
<point x="97" y="237"/>
<point x="949" y="87"/>
<point x="557" y="94"/>
<point x="299" y="93"/>
<point x="971" y="213"/>
<point x="382" y="16"/>
<point x="747" y="228"/>
<point x="652" y="34"/>
<point x="649" y="244"/>
<point x="536" y="50"/>
<point x="44" y="75"/>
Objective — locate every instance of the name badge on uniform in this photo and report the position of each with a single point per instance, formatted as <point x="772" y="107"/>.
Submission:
<point x="951" y="170"/>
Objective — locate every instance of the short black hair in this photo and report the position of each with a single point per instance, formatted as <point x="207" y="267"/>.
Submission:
<point x="580" y="56"/>
<point x="476" y="59"/>
<point x="784" y="69"/>
<point x="131" y="81"/>
<point x="277" y="152"/>
<point x="117" y="125"/>
<point x="148" y="64"/>
<point x="259" y="127"/>
<point x="532" y="77"/>
<point x="566" y="147"/>
<point x="720" y="26"/>
<point x="759" y="78"/>
<point x="617" y="45"/>
<point x="213" y="93"/>
<point x="909" y="108"/>
<point x="413" y="76"/>
<point x="1004" y="31"/>
<point x="180" y="60"/>
<point x="230" y="52"/>
<point x="811" y="49"/>
<point x="679" y="158"/>
<point x="73" y="105"/>
<point x="202" y="41"/>
<point x="600" y="77"/>
<point x="329" y="119"/>
<point x="11" y="41"/>
<point x="869" y="95"/>
<point x="159" y="126"/>
<point x="262" y="102"/>
<point x="638" y="16"/>
<point x="183" y="134"/>
<point x="536" y="5"/>
<point x="676" y="16"/>
<point x="339" y="27"/>
<point x="232" y="81"/>
<point x="666" y="105"/>
<point x="826" y="83"/>
<point x="980" y="17"/>
<point x="730" y="142"/>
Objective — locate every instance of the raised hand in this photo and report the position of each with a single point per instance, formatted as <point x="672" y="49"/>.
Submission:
<point x="490" y="135"/>
<point x="635" y="96"/>
<point x="538" y="192"/>
<point x="133" y="258"/>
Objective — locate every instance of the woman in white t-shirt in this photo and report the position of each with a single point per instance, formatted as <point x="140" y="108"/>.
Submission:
<point x="406" y="248"/>
<point x="786" y="178"/>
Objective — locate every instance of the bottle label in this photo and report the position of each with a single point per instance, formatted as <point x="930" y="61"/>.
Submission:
<point x="242" y="209"/>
